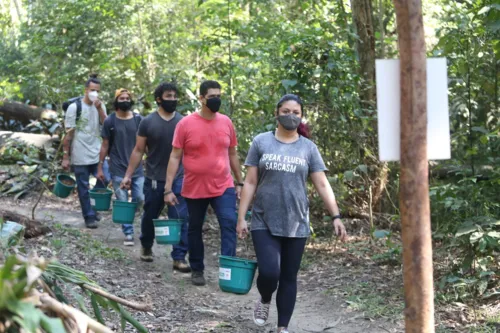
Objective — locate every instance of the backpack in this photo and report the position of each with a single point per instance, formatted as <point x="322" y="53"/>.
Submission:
<point x="137" y="118"/>
<point x="78" y="101"/>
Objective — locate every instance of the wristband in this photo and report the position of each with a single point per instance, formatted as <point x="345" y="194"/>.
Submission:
<point x="336" y="217"/>
<point x="167" y="193"/>
<point x="240" y="184"/>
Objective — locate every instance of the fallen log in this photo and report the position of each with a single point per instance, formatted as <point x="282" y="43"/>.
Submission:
<point x="38" y="140"/>
<point x="33" y="228"/>
<point x="483" y="172"/>
<point x="23" y="112"/>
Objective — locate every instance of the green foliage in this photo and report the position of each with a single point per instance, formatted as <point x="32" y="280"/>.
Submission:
<point x="57" y="274"/>
<point x="16" y="281"/>
<point x="465" y="208"/>
<point x="25" y="166"/>
<point x="469" y="39"/>
<point x="393" y="252"/>
<point x="478" y="240"/>
<point x="375" y="305"/>
<point x="453" y="203"/>
<point x="260" y="50"/>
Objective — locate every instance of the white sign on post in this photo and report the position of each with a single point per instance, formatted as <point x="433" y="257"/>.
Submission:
<point x="389" y="110"/>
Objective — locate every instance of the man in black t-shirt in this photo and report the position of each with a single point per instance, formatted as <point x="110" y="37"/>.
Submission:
<point x="118" y="134"/>
<point x="156" y="134"/>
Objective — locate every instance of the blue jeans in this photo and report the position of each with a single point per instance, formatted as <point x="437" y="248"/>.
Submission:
<point x="82" y="175"/>
<point x="122" y="195"/>
<point x="153" y="206"/>
<point x="225" y="209"/>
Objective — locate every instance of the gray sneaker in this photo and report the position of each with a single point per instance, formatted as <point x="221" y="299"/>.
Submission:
<point x="129" y="240"/>
<point x="261" y="313"/>
<point x="91" y="223"/>
<point x="197" y="278"/>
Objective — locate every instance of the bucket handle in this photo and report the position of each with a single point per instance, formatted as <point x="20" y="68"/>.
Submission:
<point x="162" y="209"/>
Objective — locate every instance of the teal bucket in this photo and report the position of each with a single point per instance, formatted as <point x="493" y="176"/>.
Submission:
<point x="100" y="198"/>
<point x="64" y="185"/>
<point x="236" y="274"/>
<point x="124" y="212"/>
<point x="168" y="231"/>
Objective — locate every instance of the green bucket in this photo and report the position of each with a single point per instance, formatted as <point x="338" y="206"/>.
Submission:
<point x="64" y="185"/>
<point x="168" y="231"/>
<point x="236" y="274"/>
<point x="100" y="198"/>
<point x="124" y="212"/>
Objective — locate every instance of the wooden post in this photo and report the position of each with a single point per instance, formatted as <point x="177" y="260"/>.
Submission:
<point x="414" y="193"/>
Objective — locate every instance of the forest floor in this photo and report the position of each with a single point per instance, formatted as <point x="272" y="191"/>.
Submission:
<point x="341" y="287"/>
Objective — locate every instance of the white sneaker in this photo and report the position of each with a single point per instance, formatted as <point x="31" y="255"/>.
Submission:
<point x="129" y="240"/>
<point x="261" y="313"/>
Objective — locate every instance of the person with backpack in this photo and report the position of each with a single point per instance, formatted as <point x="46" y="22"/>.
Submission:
<point x="278" y="166"/>
<point x="118" y="141"/>
<point x="155" y="135"/>
<point x="206" y="143"/>
<point x="82" y="143"/>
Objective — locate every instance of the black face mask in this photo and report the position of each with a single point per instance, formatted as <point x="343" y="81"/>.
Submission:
<point x="289" y="121"/>
<point x="124" y="106"/>
<point x="168" y="105"/>
<point x="214" y="104"/>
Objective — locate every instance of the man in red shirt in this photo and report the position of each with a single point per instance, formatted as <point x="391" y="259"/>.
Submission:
<point x="206" y="143"/>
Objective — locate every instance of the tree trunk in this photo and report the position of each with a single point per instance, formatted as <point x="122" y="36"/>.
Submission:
<point x="414" y="188"/>
<point x="365" y="46"/>
<point x="24" y="113"/>
<point x="381" y="12"/>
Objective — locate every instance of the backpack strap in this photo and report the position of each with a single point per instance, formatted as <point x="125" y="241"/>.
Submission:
<point x="78" y="109"/>
<point x="112" y="120"/>
<point x="137" y="119"/>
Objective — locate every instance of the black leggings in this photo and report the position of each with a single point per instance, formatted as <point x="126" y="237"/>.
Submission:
<point x="278" y="260"/>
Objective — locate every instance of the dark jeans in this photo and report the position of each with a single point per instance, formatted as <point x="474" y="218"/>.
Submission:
<point x="153" y="205"/>
<point x="278" y="259"/>
<point x="225" y="209"/>
<point x="82" y="175"/>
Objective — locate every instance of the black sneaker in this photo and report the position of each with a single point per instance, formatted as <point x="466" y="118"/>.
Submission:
<point x="91" y="223"/>
<point x="147" y="255"/>
<point x="197" y="278"/>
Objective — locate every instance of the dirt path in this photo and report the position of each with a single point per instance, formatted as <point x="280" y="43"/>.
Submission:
<point x="178" y="305"/>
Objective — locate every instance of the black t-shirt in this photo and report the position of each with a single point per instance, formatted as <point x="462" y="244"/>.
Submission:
<point x="159" y="134"/>
<point x="123" y="144"/>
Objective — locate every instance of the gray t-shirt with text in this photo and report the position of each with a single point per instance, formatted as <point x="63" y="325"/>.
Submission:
<point x="281" y="204"/>
<point x="124" y="137"/>
<point x="159" y="134"/>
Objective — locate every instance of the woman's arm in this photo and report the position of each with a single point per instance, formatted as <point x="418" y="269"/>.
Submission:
<point x="247" y="194"/>
<point x="326" y="193"/>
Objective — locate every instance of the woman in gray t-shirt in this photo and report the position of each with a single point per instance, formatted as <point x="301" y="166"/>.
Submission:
<point x="278" y="165"/>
